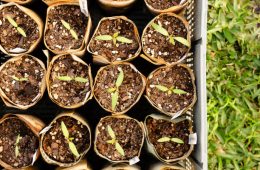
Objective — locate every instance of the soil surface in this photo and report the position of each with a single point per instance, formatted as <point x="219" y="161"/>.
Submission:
<point x="109" y="50"/>
<point x="177" y="77"/>
<point x="129" y="91"/>
<point x="56" y="145"/>
<point x="22" y="92"/>
<point x="128" y="133"/>
<point x="71" y="92"/>
<point x="158" y="46"/>
<point x="27" y="145"/>
<point x="158" y="4"/>
<point x="57" y="36"/>
<point x="10" y="38"/>
<point x="162" y="128"/>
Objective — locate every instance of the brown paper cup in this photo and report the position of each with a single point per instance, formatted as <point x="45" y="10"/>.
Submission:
<point x="121" y="166"/>
<point x="82" y="165"/>
<point x="116" y="6"/>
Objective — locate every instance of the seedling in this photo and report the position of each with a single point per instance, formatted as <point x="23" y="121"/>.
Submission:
<point x="169" y="139"/>
<point x="14" y="24"/>
<point x="72" y="146"/>
<point x="17" y="152"/>
<point x="68" y="78"/>
<point x="171" y="38"/>
<point x="68" y="27"/>
<point x="114" y="91"/>
<point x="114" y="38"/>
<point x="169" y="90"/>
<point x="114" y="141"/>
<point x="19" y="79"/>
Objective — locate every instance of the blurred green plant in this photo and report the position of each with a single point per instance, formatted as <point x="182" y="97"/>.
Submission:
<point x="233" y="84"/>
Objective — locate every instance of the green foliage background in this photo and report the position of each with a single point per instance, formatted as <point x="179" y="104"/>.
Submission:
<point x="233" y="84"/>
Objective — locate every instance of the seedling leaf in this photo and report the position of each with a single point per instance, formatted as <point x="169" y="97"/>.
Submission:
<point x="16" y="145"/>
<point x="73" y="149"/>
<point x="11" y="21"/>
<point x="64" y="130"/>
<point x="15" y="78"/>
<point x="120" y="149"/>
<point x="120" y="78"/>
<point x="114" y="99"/>
<point x="21" y="31"/>
<point x="124" y="40"/>
<point x="177" y="140"/>
<point x="182" y="41"/>
<point x="115" y="34"/>
<point x="179" y="91"/>
<point x="64" y="78"/>
<point x="111" y="132"/>
<point x="65" y="24"/>
<point x="74" y="34"/>
<point x="23" y="79"/>
<point x="112" y="141"/>
<point x="164" y="139"/>
<point x="172" y="41"/>
<point x="111" y="90"/>
<point x="162" y="88"/>
<point x="160" y="29"/>
<point x="81" y="79"/>
<point x="104" y="37"/>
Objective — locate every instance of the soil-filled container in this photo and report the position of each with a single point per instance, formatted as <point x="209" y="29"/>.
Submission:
<point x="119" y="138"/>
<point x="82" y="165"/>
<point x="67" y="29"/>
<point x="186" y="164"/>
<point x="66" y="140"/>
<point x="22" y="81"/>
<point x="158" y="6"/>
<point x="116" y="6"/>
<point x="51" y="2"/>
<point x="19" y="140"/>
<point x="69" y="81"/>
<point x="166" y="39"/>
<point x="167" y="139"/>
<point x="21" y="2"/>
<point x="21" y="29"/>
<point x="115" y="39"/>
<point x="171" y="89"/>
<point x="118" y="87"/>
<point x="121" y="166"/>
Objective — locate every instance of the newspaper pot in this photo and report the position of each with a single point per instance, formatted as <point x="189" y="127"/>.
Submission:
<point x="166" y="39"/>
<point x="115" y="39"/>
<point x="121" y="166"/>
<point x="66" y="140"/>
<point x="22" y="82"/>
<point x="21" y="2"/>
<point x="51" y="2"/>
<point x="168" y="139"/>
<point x="119" y="138"/>
<point x="67" y="29"/>
<point x="69" y="81"/>
<point x="158" y="7"/>
<point x="186" y="164"/>
<point x="116" y="6"/>
<point x="118" y="87"/>
<point x="82" y="165"/>
<point x="19" y="140"/>
<point x="171" y="89"/>
<point x="20" y="30"/>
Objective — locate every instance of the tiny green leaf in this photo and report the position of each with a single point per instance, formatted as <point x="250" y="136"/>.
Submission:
<point x="24" y="79"/>
<point x="182" y="41"/>
<point x="64" y="78"/>
<point x="71" y="139"/>
<point x="111" y="90"/>
<point x="11" y="21"/>
<point x="65" y="24"/>
<point x="160" y="29"/>
<point x="81" y="79"/>
<point x="120" y="149"/>
<point x="112" y="141"/>
<point x="179" y="91"/>
<point x="177" y="140"/>
<point x="114" y="99"/>
<point x="229" y="36"/>
<point x="74" y="34"/>
<point x="172" y="41"/>
<point x="73" y="149"/>
<point x="64" y="130"/>
<point x="104" y="37"/>
<point x="120" y="78"/>
<point x="124" y="40"/>
<point x="111" y="132"/>
<point x="164" y="139"/>
<point x="115" y="34"/>
<point x="162" y="88"/>
<point x="16" y="145"/>
<point x="15" y="78"/>
<point x="21" y="31"/>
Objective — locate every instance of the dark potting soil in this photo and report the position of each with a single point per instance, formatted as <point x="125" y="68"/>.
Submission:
<point x="161" y="5"/>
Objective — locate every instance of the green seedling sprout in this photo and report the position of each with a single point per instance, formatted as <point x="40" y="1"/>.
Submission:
<point x="68" y="27"/>
<point x="171" y="38"/>
<point x="169" y="90"/>
<point x="14" y="24"/>
<point x="114" y="141"/>
<point x="72" y="146"/>
<point x="17" y="152"/>
<point x="169" y="139"/>
<point x="114" y="38"/>
<point x="68" y="78"/>
<point x="19" y="79"/>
